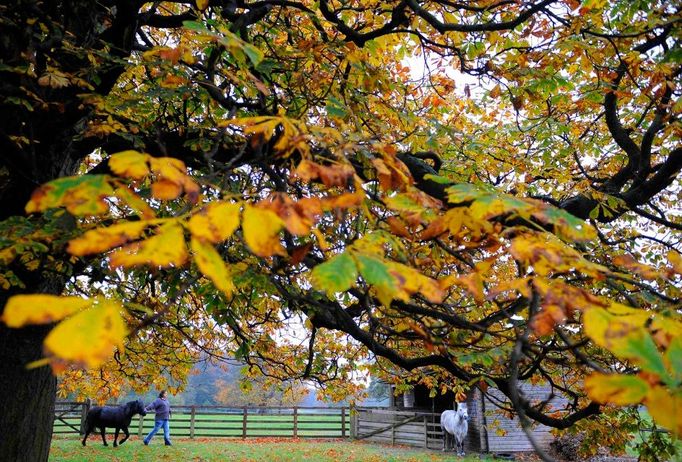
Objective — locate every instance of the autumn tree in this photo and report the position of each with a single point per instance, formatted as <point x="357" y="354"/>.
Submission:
<point x="458" y="193"/>
<point x="250" y="390"/>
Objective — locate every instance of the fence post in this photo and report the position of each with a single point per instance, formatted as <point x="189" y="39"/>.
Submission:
<point x="353" y="422"/>
<point x="343" y="422"/>
<point x="295" y="422"/>
<point x="244" y="423"/>
<point x="426" y="432"/>
<point x="191" y="422"/>
<point x="139" y="425"/>
<point x="84" y="414"/>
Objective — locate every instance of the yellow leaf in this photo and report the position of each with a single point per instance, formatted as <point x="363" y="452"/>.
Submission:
<point x="21" y="310"/>
<point x="135" y="202"/>
<point x="613" y="331"/>
<point x="617" y="389"/>
<point x="202" y="4"/>
<point x="411" y="280"/>
<point x="103" y="239"/>
<point x="666" y="409"/>
<point x="210" y="263"/>
<point x="261" y="231"/>
<point x="89" y="337"/>
<point x="130" y="164"/>
<point x="80" y="195"/>
<point x="169" y="168"/>
<point x="664" y="329"/>
<point x="675" y="260"/>
<point x="216" y="222"/>
<point x="166" y="248"/>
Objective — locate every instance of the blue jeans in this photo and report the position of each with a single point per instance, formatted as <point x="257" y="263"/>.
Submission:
<point x="157" y="425"/>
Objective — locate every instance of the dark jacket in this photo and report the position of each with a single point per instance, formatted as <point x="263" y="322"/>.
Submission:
<point x="161" y="407"/>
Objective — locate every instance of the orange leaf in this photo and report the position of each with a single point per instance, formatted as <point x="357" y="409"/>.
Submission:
<point x="166" y="190"/>
<point x="299" y="216"/>
<point x="473" y="283"/>
<point x="342" y="201"/>
<point x="646" y="271"/>
<point x="332" y="175"/>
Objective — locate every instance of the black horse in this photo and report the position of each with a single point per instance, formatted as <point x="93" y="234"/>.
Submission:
<point x="117" y="417"/>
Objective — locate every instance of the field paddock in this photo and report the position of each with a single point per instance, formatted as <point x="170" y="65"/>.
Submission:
<point x="69" y="448"/>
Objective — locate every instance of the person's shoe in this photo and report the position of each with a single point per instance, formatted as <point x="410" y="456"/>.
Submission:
<point x="169" y="444"/>
<point x="146" y="443"/>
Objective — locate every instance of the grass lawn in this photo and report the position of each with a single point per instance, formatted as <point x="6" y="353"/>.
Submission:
<point x="255" y="450"/>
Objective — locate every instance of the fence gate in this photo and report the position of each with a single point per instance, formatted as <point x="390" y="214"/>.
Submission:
<point x="69" y="416"/>
<point x="389" y="426"/>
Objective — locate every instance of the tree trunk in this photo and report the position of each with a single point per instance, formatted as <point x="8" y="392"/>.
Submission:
<point x="27" y="396"/>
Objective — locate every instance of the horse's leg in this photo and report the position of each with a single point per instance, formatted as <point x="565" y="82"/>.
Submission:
<point x="104" y="440"/>
<point x="116" y="436"/>
<point x="125" y="430"/>
<point x="88" y="430"/>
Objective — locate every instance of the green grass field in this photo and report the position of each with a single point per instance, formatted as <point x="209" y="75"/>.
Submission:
<point x="255" y="450"/>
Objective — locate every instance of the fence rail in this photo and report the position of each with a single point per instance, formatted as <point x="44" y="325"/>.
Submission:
<point x="227" y="421"/>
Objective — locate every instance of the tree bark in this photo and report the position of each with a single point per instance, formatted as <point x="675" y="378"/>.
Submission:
<point x="27" y="396"/>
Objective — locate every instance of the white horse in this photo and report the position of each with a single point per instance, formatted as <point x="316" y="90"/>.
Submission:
<point x="454" y="423"/>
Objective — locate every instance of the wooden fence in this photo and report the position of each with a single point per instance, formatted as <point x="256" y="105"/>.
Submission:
<point x="225" y="421"/>
<point x="381" y="425"/>
<point x="389" y="426"/>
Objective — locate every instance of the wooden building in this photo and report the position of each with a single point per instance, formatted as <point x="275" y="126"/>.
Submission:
<point x="490" y="429"/>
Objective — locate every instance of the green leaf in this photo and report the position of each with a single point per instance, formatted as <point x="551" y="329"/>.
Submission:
<point x="376" y="273"/>
<point x="336" y="275"/>
<point x="674" y="357"/>
<point x="335" y="108"/>
<point x="566" y="225"/>
<point x="463" y="193"/>
<point x="195" y="26"/>
<point x="437" y="179"/>
<point x="254" y="54"/>
<point x="643" y="350"/>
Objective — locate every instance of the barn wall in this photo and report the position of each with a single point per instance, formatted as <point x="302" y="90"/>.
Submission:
<point x="504" y="433"/>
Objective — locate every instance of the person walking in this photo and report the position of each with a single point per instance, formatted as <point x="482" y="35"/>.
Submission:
<point x="161" y="407"/>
